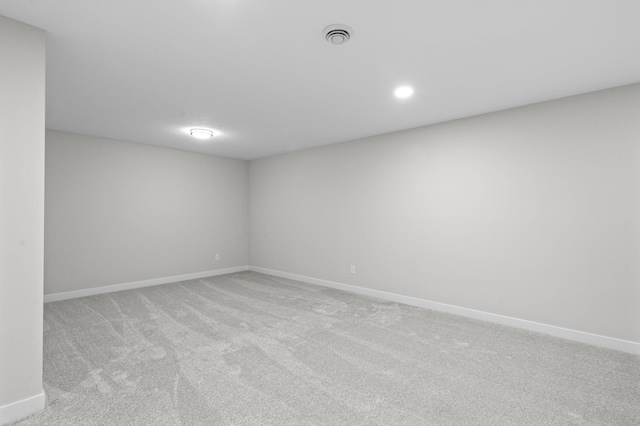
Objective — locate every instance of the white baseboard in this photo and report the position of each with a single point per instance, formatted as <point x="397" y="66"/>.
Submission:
<point x="21" y="409"/>
<point x="139" y="284"/>
<point x="552" y="330"/>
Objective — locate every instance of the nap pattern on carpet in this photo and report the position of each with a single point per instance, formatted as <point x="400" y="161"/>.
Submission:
<point x="252" y="349"/>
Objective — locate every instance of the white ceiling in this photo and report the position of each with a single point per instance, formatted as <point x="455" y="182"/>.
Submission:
<point x="261" y="72"/>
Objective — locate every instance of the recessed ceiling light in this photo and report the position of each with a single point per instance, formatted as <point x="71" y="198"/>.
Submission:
<point x="403" y="92"/>
<point x="203" y="133"/>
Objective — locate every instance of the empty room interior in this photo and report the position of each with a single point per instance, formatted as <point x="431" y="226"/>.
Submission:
<point x="238" y="212"/>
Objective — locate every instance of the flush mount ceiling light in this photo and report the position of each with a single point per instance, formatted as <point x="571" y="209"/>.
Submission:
<point x="337" y="34"/>
<point x="403" y="92"/>
<point x="200" y="133"/>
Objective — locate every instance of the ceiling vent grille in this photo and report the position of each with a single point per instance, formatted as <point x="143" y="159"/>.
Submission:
<point x="337" y="34"/>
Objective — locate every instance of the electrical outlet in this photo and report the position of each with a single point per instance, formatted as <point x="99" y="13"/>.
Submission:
<point x="353" y="269"/>
<point x="217" y="257"/>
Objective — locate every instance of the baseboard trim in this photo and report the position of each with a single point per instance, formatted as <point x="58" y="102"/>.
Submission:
<point x="21" y="409"/>
<point x="139" y="284"/>
<point x="552" y="330"/>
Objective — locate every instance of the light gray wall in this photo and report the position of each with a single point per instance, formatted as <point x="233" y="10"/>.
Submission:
<point x="530" y="213"/>
<point x="22" y="68"/>
<point x="118" y="212"/>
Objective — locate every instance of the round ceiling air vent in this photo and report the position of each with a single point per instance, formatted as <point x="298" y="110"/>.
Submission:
<point x="337" y="33"/>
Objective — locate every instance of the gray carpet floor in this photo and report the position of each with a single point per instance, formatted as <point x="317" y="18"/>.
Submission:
<point x="251" y="349"/>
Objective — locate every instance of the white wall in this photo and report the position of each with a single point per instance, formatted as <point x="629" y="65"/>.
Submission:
<point x="119" y="212"/>
<point x="22" y="68"/>
<point x="530" y="213"/>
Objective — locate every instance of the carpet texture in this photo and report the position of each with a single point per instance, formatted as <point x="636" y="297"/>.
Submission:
<point x="252" y="349"/>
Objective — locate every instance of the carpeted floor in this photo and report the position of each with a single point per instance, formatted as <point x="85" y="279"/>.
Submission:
<point x="251" y="349"/>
